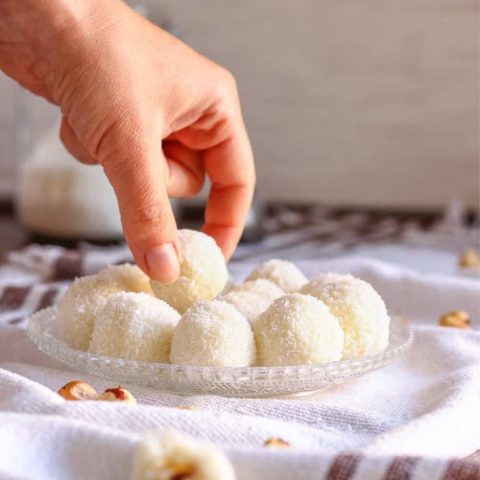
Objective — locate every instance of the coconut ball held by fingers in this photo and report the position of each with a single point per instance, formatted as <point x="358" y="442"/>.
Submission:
<point x="281" y="272"/>
<point x="213" y="333"/>
<point x="295" y="330"/>
<point x="135" y="326"/>
<point x="203" y="272"/>
<point x="361" y="312"/>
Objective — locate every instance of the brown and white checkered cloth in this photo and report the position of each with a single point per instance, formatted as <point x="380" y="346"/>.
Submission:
<point x="37" y="276"/>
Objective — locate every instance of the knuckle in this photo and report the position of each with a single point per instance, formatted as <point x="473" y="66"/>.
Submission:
<point x="197" y="185"/>
<point x="225" y="85"/>
<point x="229" y="79"/>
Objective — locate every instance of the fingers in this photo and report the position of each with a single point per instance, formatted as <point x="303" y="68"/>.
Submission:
<point x="186" y="172"/>
<point x="138" y="175"/>
<point x="230" y="167"/>
<point x="72" y="144"/>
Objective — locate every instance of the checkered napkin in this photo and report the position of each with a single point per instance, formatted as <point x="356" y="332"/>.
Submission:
<point x="417" y="419"/>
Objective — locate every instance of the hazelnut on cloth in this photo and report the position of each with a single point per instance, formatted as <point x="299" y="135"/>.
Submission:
<point x="117" y="394"/>
<point x="77" y="390"/>
<point x="469" y="259"/>
<point x="455" y="319"/>
<point x="171" y="455"/>
<point x="276" y="442"/>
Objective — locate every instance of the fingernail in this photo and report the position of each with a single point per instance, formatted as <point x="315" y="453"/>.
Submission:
<point x="162" y="263"/>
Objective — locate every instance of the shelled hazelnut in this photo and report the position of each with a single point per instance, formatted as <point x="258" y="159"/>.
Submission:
<point x="78" y="390"/>
<point x="470" y="259"/>
<point x="456" y="319"/>
<point x="117" y="394"/>
<point x="276" y="442"/>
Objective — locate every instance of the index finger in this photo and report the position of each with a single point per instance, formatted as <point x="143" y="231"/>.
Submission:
<point x="230" y="167"/>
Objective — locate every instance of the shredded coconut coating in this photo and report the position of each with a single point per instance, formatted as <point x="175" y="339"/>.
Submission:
<point x="361" y="312"/>
<point x="260" y="286"/>
<point x="135" y="326"/>
<point x="130" y="276"/>
<point x="323" y="279"/>
<point x="213" y="333"/>
<point x="281" y="272"/>
<point x="203" y="272"/>
<point x="253" y="298"/>
<point x="297" y="329"/>
<point x="249" y="304"/>
<point x="80" y="306"/>
<point x="169" y="455"/>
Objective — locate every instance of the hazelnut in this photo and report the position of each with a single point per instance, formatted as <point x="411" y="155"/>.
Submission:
<point x="177" y="472"/>
<point x="117" y="394"/>
<point x="470" y="259"/>
<point x="78" y="390"/>
<point x="276" y="442"/>
<point x="456" y="319"/>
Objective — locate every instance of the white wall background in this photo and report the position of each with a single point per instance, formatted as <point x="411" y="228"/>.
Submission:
<point x="6" y="135"/>
<point x="347" y="102"/>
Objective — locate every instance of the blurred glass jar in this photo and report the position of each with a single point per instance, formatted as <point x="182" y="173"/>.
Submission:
<point x="57" y="196"/>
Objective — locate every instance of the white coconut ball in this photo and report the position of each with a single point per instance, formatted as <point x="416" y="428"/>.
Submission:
<point x="261" y="286"/>
<point x="323" y="279"/>
<point x="135" y="326"/>
<point x="128" y="275"/>
<point x="295" y="330"/>
<point x="361" y="312"/>
<point x="203" y="272"/>
<point x="79" y="308"/>
<point x="281" y="272"/>
<point x="213" y="333"/>
<point x="172" y="455"/>
<point x="253" y="298"/>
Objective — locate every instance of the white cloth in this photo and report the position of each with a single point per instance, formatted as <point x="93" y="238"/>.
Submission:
<point x="426" y="404"/>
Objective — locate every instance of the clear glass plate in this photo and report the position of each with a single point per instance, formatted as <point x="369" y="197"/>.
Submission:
<point x="226" y="381"/>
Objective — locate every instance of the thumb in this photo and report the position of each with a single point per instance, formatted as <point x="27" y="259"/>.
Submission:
<point x="138" y="176"/>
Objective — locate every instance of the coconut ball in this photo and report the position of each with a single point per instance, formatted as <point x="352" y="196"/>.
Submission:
<point x="80" y="306"/>
<point x="130" y="276"/>
<point x="253" y="298"/>
<point x="134" y="326"/>
<point x="295" y="330"/>
<point x="213" y="333"/>
<point x="249" y="304"/>
<point x="361" y="312"/>
<point x="203" y="272"/>
<point x="324" y="279"/>
<point x="281" y="272"/>
<point x="260" y="286"/>
<point x="172" y="455"/>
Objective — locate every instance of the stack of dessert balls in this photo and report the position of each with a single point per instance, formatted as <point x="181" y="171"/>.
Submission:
<point x="276" y="317"/>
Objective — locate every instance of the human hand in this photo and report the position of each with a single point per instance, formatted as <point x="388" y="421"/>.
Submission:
<point x="154" y="113"/>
